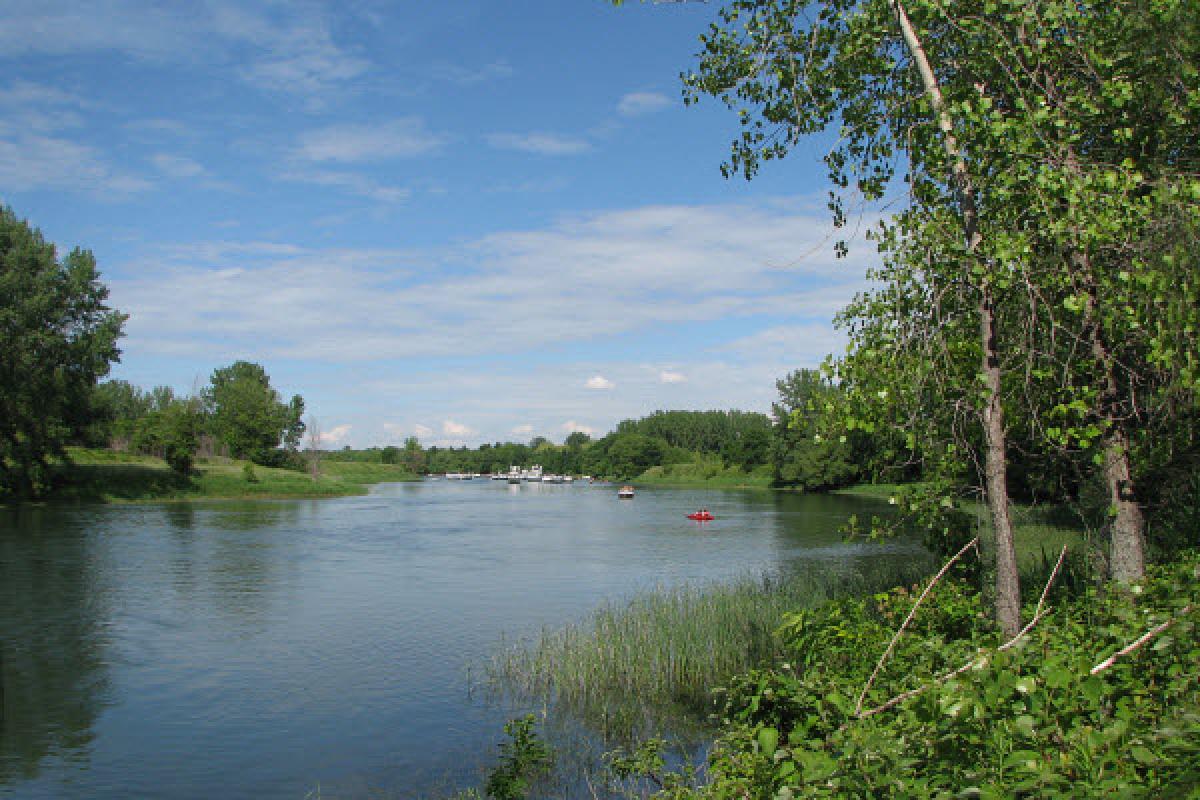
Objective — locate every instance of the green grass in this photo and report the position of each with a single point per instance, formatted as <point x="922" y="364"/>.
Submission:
<point x="103" y="476"/>
<point x="711" y="474"/>
<point x="665" y="650"/>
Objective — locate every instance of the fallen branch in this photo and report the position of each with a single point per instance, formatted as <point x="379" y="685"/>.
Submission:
<point x="1138" y="642"/>
<point x="979" y="661"/>
<point x="892" y="644"/>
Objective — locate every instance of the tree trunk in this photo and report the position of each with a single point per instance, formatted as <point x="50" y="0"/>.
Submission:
<point x="1008" y="586"/>
<point x="1008" y="583"/>
<point x="1126" y="559"/>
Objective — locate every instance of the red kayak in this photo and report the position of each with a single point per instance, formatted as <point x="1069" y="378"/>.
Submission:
<point x="700" y="517"/>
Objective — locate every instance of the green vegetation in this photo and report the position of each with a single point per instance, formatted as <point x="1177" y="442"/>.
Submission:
<point x="1100" y="698"/>
<point x="737" y="443"/>
<point x="1032" y="325"/>
<point x="633" y="663"/>
<point x="249" y="417"/>
<point x="57" y="336"/>
<point x="105" y="476"/>
<point x="711" y="473"/>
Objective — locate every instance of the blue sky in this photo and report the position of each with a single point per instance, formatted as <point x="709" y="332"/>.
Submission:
<point x="469" y="221"/>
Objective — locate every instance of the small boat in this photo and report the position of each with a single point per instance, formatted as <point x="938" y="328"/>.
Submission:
<point x="625" y="493"/>
<point x="701" y="516"/>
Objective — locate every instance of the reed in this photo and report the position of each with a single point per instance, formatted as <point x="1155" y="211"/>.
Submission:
<point x="662" y="652"/>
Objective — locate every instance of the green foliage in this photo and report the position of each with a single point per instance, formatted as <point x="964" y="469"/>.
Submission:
<point x="809" y="450"/>
<point x="738" y="437"/>
<point x="248" y="473"/>
<point x="1029" y="721"/>
<point x="58" y="336"/>
<point x="249" y="416"/>
<point x="179" y="425"/>
<point x="524" y="758"/>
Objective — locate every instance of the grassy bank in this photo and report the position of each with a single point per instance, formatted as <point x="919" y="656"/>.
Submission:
<point x="102" y="476"/>
<point x="711" y="475"/>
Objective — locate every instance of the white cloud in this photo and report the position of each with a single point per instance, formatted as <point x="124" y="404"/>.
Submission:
<point x="637" y="103"/>
<point x="334" y="435"/>
<point x="176" y="166"/>
<point x="544" y="144"/>
<point x="599" y="382"/>
<point x="667" y="376"/>
<point x="351" y="143"/>
<point x="455" y="429"/>
<point x="614" y="273"/>
<point x="421" y="430"/>
<point x="350" y="182"/>
<point x="29" y="162"/>
<point x="571" y="426"/>
<point x="802" y="345"/>
<point x="470" y="76"/>
<point x="277" y="47"/>
<point x="523" y="430"/>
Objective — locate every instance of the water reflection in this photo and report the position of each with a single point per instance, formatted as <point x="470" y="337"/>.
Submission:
<point x="52" y="663"/>
<point x="306" y="643"/>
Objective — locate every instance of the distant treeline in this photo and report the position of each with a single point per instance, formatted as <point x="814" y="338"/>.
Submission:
<point x="741" y="440"/>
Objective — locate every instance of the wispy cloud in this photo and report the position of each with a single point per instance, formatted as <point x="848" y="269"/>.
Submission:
<point x="29" y="162"/>
<point x="614" y="273"/>
<point x="667" y="376"/>
<point x="544" y="144"/>
<point x="176" y="166"/>
<point x="599" y="383"/>
<point x="637" y="103"/>
<point x="471" y="76"/>
<point x="335" y="435"/>
<point x="523" y="430"/>
<point x="288" y="48"/>
<point x="571" y="426"/>
<point x="404" y="137"/>
<point x="456" y="429"/>
<point x="350" y="182"/>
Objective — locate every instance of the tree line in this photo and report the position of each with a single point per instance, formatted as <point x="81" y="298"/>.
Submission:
<point x="60" y="339"/>
<point x="738" y="438"/>
<point x="237" y="415"/>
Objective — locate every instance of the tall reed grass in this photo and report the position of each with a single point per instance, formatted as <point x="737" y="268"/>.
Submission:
<point x="663" y="652"/>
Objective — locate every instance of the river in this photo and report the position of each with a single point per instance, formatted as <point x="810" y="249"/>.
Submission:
<point x="322" y="647"/>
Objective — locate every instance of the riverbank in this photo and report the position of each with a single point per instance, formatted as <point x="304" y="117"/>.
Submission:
<point x="103" y="476"/>
<point x="1075" y="706"/>
<point x="710" y="475"/>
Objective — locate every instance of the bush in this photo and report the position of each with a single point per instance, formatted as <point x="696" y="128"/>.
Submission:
<point x="1028" y="721"/>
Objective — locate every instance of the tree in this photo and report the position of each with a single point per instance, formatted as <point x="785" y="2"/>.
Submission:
<point x="803" y="454"/>
<point x="413" y="455"/>
<point x="248" y="415"/>
<point x="176" y="430"/>
<point x="312" y="454"/>
<point x="59" y="337"/>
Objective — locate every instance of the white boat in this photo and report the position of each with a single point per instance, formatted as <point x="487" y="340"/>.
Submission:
<point x="514" y="474"/>
<point x="533" y="474"/>
<point x="625" y="493"/>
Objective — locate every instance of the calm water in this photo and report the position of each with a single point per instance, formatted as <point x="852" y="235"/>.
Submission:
<point x="268" y="649"/>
